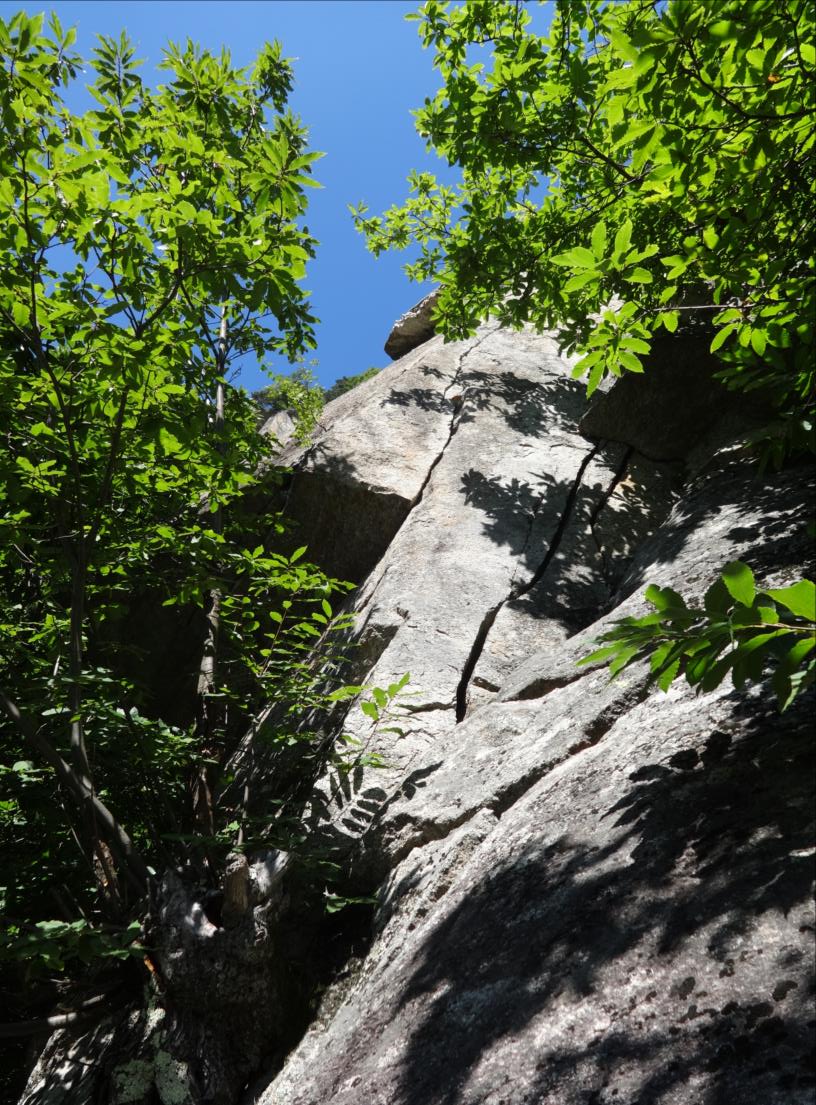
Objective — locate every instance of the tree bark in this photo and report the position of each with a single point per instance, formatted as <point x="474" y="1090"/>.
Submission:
<point x="221" y="1004"/>
<point x="206" y="720"/>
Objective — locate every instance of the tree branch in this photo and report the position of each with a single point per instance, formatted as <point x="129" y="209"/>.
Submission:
<point x="76" y="787"/>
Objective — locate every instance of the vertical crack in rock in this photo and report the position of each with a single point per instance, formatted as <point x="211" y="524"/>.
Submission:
<point x="476" y="650"/>
<point x="456" y="416"/>
<point x="489" y="619"/>
<point x="620" y="474"/>
<point x="566" y="515"/>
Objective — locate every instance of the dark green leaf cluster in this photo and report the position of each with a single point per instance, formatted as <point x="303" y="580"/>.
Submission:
<point x="740" y="630"/>
<point x="49" y="945"/>
<point x="640" y="167"/>
<point x="347" y="383"/>
<point x="299" y="394"/>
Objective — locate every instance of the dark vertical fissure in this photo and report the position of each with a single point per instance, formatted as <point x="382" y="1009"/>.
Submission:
<point x="516" y="592"/>
<point x="566" y="515"/>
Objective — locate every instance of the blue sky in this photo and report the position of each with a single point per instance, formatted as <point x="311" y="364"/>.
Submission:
<point x="359" y="71"/>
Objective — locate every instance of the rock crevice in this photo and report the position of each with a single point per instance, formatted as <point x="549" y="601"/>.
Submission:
<point x="576" y="901"/>
<point x="586" y="891"/>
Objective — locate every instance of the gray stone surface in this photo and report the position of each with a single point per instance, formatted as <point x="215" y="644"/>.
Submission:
<point x="636" y="928"/>
<point x="589" y="892"/>
<point x="592" y="893"/>
<point x="413" y="328"/>
<point x="280" y="428"/>
<point x="500" y="550"/>
<point x="675" y="408"/>
<point x="368" y="460"/>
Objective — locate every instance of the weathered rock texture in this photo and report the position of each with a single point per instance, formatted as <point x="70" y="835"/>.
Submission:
<point x="588" y="892"/>
<point x="413" y="328"/>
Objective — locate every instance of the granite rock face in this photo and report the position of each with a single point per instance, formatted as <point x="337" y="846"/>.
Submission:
<point x="589" y="892"/>
<point x="679" y="408"/>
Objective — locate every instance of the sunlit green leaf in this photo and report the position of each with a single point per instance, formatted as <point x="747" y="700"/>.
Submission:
<point x="799" y="598"/>
<point x="739" y="579"/>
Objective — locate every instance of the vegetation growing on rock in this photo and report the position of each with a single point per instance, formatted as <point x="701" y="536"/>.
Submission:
<point x="641" y="168"/>
<point x="146" y="615"/>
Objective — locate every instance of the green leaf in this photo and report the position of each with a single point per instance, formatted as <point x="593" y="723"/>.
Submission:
<point x="638" y="275"/>
<point x="799" y="598"/>
<point x="711" y="237"/>
<point x="343" y="693"/>
<point x="579" y="257"/>
<point x="599" y="240"/>
<point x="169" y="442"/>
<point x="635" y="345"/>
<point x="630" y="361"/>
<point x="739" y="579"/>
<point x="717" y="599"/>
<point x="595" y="377"/>
<point x="668" y="675"/>
<point x="800" y="650"/>
<point x="767" y="611"/>
<point x="580" y="280"/>
<point x="722" y="336"/>
<point x="759" y="641"/>
<point x="664" y="598"/>
<point x="623" y="238"/>
<point x="677" y="263"/>
<point x="625" y="656"/>
<point x="715" y="674"/>
<point x="788" y="683"/>
<point x="600" y="654"/>
<point x="395" y="688"/>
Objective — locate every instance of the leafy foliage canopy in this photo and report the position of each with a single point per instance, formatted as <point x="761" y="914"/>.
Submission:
<point x="639" y="166"/>
<point x="642" y="167"/>
<point x="740" y="630"/>
<point x="145" y="614"/>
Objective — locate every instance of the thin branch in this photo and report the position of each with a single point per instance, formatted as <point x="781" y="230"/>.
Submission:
<point x="202" y="791"/>
<point x="753" y="116"/>
<point x="81" y="794"/>
<point x="93" y="1006"/>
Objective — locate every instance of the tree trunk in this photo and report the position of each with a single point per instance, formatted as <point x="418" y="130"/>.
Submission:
<point x="219" y="1004"/>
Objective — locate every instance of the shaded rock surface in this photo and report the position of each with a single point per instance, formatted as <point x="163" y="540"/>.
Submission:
<point x="369" y="458"/>
<point x="589" y="892"/>
<point x="413" y="328"/>
<point x="678" y="407"/>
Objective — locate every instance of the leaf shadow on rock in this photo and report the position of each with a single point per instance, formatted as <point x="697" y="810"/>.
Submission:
<point x="709" y="845"/>
<point x="573" y="545"/>
<point x="324" y="459"/>
<point x="534" y="408"/>
<point x="762" y="520"/>
<point x="427" y="399"/>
